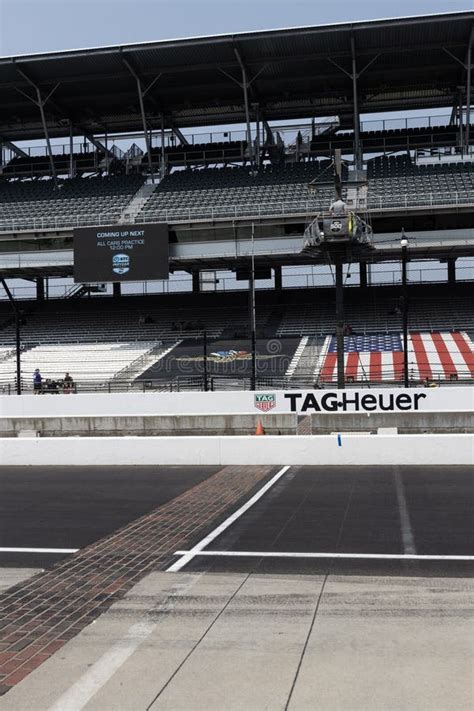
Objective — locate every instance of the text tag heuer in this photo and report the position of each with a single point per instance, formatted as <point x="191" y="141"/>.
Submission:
<point x="265" y="401"/>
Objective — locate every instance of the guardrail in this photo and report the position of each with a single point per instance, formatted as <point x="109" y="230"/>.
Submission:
<point x="240" y="211"/>
<point x="219" y="383"/>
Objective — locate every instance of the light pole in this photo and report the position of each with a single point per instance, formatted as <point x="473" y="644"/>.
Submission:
<point x="404" y="246"/>
<point x="253" y="318"/>
<point x="206" y="374"/>
<point x="340" y="325"/>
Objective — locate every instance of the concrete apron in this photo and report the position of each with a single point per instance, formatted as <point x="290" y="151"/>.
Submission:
<point x="248" y="641"/>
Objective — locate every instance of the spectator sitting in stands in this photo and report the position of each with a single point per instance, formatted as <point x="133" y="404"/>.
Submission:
<point x="347" y="330"/>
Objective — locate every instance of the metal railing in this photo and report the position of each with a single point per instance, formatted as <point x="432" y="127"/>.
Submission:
<point x="229" y="383"/>
<point x="245" y="210"/>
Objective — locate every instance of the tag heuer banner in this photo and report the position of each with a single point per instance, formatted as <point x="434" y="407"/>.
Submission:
<point x="305" y="402"/>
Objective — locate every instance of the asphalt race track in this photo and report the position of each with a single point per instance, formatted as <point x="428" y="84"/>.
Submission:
<point x="321" y="573"/>
<point x="375" y="511"/>
<point x="69" y="507"/>
<point x="344" y="511"/>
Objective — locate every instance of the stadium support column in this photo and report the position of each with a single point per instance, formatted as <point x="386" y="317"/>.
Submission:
<point x="116" y="289"/>
<point x="253" y="315"/>
<point x="46" y="135"/>
<point x="16" y="314"/>
<point x="404" y="246"/>
<point x="468" y="89"/>
<point x="340" y="324"/>
<point x="40" y="103"/>
<point x="363" y="274"/>
<point x="107" y="156"/>
<point x="257" y="137"/>
<point x="196" y="281"/>
<point x="40" y="289"/>
<point x="163" y="153"/>
<point x="71" y="152"/>
<point x="278" y="278"/>
<point x="354" y="76"/>
<point x="245" y="85"/>
<point x="460" y="117"/>
<point x="355" y="100"/>
<point x="205" y="363"/>
<point x="141" y="94"/>
<point x="145" y="129"/>
<point x="467" y="65"/>
<point x="451" y="271"/>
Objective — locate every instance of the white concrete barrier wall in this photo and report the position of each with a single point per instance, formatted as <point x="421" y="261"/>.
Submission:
<point x="323" y="450"/>
<point x="449" y="399"/>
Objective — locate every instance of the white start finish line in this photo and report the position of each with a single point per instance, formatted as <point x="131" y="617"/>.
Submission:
<point x="348" y="556"/>
<point x="39" y="550"/>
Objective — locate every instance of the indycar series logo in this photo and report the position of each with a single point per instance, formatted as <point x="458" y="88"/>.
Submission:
<point x="120" y="263"/>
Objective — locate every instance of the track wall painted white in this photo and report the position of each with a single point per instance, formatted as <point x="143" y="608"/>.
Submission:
<point x="449" y="399"/>
<point x="325" y="450"/>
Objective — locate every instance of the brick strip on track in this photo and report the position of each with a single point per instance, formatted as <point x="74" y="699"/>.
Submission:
<point x="39" y="616"/>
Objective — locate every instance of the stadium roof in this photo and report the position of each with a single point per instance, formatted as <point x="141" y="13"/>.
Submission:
<point x="406" y="63"/>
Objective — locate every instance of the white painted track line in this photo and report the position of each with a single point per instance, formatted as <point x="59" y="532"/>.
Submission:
<point x="39" y="550"/>
<point x="98" y="674"/>
<point x="367" y="556"/>
<point x="189" y="555"/>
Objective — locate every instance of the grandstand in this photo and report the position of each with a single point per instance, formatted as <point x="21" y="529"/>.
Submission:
<point x="39" y="203"/>
<point x="123" y="341"/>
<point x="237" y="200"/>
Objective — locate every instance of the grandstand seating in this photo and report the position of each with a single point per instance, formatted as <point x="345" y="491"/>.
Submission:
<point x="388" y="139"/>
<point x="426" y="313"/>
<point x="104" y="323"/>
<point x="200" y="153"/>
<point x="37" y="203"/>
<point x="97" y="362"/>
<point x="228" y="191"/>
<point x="379" y="357"/>
<point x="392" y="179"/>
<point x="39" y="164"/>
<point x="121" y="330"/>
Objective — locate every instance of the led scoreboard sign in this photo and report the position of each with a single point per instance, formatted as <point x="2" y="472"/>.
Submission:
<point x="121" y="253"/>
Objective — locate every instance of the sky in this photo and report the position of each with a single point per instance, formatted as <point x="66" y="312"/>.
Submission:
<point x="28" y="26"/>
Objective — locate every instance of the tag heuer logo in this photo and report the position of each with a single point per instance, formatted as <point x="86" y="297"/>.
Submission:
<point x="265" y="401"/>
